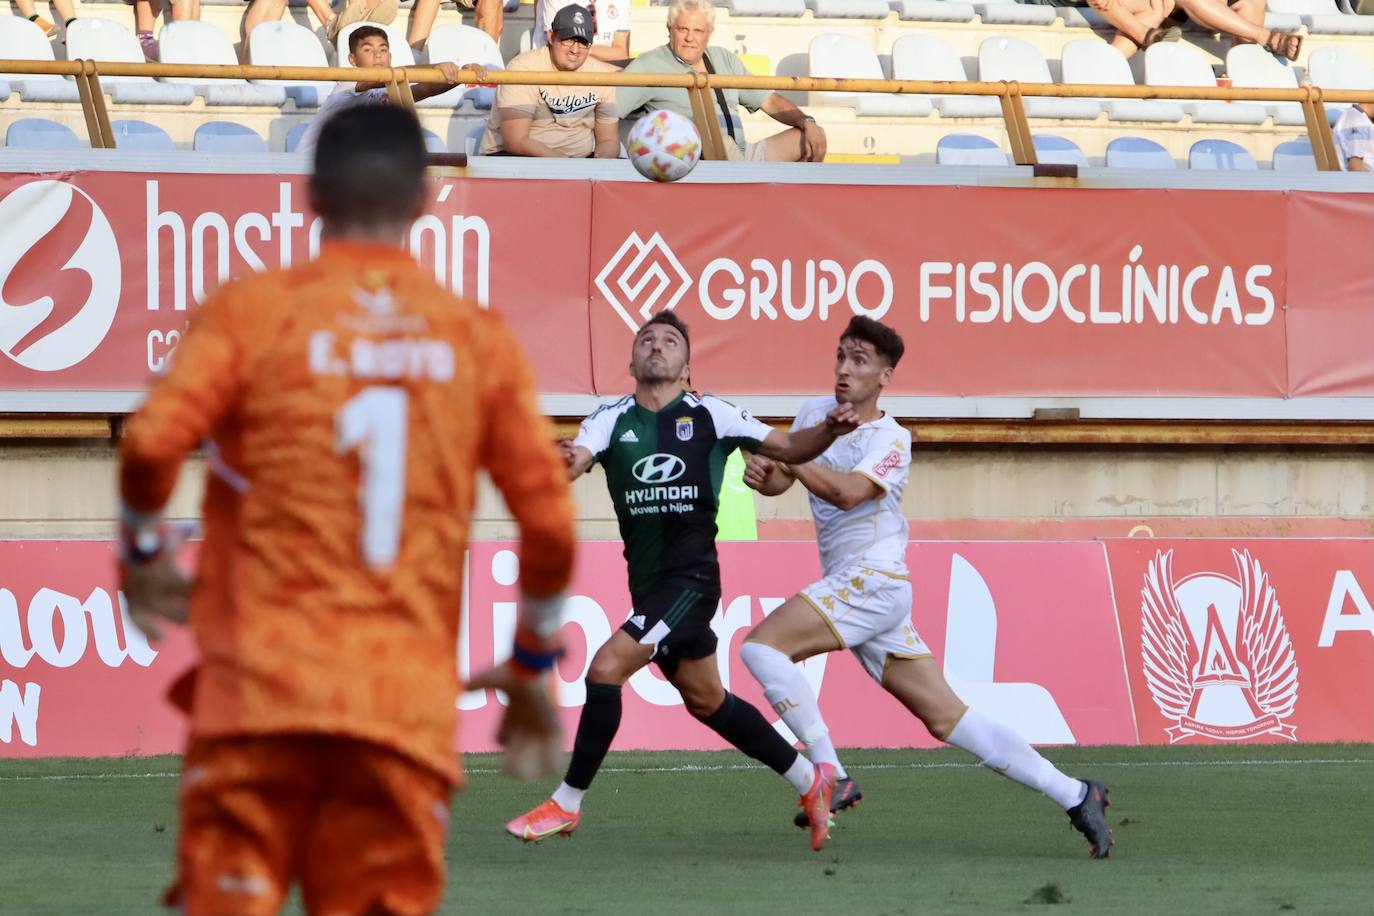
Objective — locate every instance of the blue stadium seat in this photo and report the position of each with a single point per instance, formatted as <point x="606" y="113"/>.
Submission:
<point x="40" y="133"/>
<point x="140" y="135"/>
<point x="1138" y="153"/>
<point x="1053" y="150"/>
<point x="1220" y="155"/>
<point x="433" y="143"/>
<point x="1295" y="156"/>
<point x="293" y="136"/>
<point x="968" y="149"/>
<point x="227" y="137"/>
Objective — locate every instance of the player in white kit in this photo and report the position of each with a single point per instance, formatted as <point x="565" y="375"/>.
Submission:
<point x="864" y="601"/>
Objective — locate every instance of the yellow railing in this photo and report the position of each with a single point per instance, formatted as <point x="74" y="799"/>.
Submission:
<point x="700" y="88"/>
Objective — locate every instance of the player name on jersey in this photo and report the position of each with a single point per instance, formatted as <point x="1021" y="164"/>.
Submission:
<point x="403" y="358"/>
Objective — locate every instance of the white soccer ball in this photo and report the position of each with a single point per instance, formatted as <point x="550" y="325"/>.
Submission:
<point x="664" y="146"/>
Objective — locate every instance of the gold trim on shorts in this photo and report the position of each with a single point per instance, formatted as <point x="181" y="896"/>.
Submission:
<point x="910" y="658"/>
<point x="828" y="622"/>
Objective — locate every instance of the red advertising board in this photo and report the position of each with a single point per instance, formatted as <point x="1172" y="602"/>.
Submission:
<point x="998" y="291"/>
<point x="1265" y="640"/>
<point x="100" y="270"/>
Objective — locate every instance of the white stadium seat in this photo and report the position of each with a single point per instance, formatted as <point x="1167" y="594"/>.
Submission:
<point x="1340" y="68"/>
<point x="463" y="44"/>
<point x="1052" y="150"/>
<point x="849" y="9"/>
<point x="966" y="149"/>
<point x="1093" y="61"/>
<point x="103" y="39"/>
<point x="925" y="57"/>
<point x="1177" y="63"/>
<point x="1324" y="16"/>
<point x="847" y="57"/>
<point x="933" y="10"/>
<point x="1222" y="155"/>
<point x="1252" y="67"/>
<point x="788" y="8"/>
<point x="191" y="42"/>
<point x="1009" y="12"/>
<point x="1295" y="156"/>
<point x="1138" y="153"/>
<point x="1002" y="58"/>
<point x="22" y="40"/>
<point x="285" y="44"/>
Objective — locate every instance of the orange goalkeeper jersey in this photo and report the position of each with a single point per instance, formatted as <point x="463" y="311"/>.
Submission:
<point x="349" y="404"/>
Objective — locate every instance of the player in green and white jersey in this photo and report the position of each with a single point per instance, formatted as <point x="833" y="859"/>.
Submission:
<point x="664" y="450"/>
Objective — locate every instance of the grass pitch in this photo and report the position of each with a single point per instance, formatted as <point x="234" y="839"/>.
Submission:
<point x="1250" y="829"/>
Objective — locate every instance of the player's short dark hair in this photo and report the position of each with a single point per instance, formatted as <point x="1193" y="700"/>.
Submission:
<point x="356" y="37"/>
<point x="674" y="322"/>
<point x="887" y="342"/>
<point x="369" y="166"/>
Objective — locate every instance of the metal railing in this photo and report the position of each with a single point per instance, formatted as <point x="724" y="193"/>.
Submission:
<point x="700" y="88"/>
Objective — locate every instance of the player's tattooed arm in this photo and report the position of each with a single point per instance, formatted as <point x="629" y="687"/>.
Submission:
<point x="802" y="445"/>
<point x="842" y="489"/>
<point x="578" y="459"/>
<point x="769" y="477"/>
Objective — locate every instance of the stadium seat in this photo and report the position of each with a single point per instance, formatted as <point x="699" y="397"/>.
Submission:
<point x="847" y="57"/>
<point x="293" y="136"/>
<point x="1082" y="17"/>
<point x="433" y="142"/>
<point x="22" y="40"/>
<point x="227" y="137"/>
<point x="1009" y="12"/>
<point x="1052" y="150"/>
<point x="849" y="9"/>
<point x="1177" y="63"/>
<point x="103" y="39"/>
<point x="933" y="10"/>
<point x="4" y="90"/>
<point x="401" y="53"/>
<point x="472" y="142"/>
<point x="463" y="44"/>
<point x="967" y="149"/>
<point x="925" y="57"/>
<point x="1220" y="155"/>
<point x="40" y="133"/>
<point x="1252" y="67"/>
<point x="1003" y="58"/>
<point x="1340" y="68"/>
<point x="189" y="41"/>
<point x="1295" y="156"/>
<point x="285" y="44"/>
<point x="1093" y="61"/>
<point x="140" y="135"/>
<point x="1138" y="153"/>
<point x="1324" y="16"/>
<point x="788" y="8"/>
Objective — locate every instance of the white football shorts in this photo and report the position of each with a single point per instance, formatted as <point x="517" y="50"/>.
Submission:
<point x="869" y="611"/>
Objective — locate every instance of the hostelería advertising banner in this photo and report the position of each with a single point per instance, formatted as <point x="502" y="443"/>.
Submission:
<point x="997" y="291"/>
<point x="1072" y="642"/>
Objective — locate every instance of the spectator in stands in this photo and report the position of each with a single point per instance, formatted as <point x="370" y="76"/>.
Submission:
<point x="690" y="23"/>
<point x="1141" y="23"/>
<point x="489" y="16"/>
<point x="1354" y="133"/>
<point x="145" y="18"/>
<point x="61" y="11"/>
<point x="260" y="11"/>
<point x="382" y="12"/>
<point x="556" y="121"/>
<point x="368" y="46"/>
<point x="612" y="21"/>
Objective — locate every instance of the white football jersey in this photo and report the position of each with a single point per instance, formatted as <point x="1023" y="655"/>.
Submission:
<point x="874" y="532"/>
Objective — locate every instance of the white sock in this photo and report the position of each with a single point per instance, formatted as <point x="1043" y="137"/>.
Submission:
<point x="786" y="689"/>
<point x="1003" y="750"/>
<point x="801" y="774"/>
<point x="568" y="798"/>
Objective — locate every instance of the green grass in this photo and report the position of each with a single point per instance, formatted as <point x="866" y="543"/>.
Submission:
<point x="1198" y="831"/>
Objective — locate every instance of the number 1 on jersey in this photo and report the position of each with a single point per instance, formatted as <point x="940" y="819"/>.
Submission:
<point x="375" y="422"/>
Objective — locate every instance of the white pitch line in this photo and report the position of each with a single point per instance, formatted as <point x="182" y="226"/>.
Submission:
<point x="729" y="767"/>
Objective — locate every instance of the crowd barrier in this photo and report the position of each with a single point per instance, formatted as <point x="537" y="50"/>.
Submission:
<point x="1117" y="642"/>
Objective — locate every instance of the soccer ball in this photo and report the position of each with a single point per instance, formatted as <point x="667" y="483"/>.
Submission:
<point x="664" y="146"/>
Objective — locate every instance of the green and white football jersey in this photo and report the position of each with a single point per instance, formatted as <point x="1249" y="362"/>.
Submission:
<point x="664" y="473"/>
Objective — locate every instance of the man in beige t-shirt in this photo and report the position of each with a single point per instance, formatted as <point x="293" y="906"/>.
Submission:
<point x="568" y="121"/>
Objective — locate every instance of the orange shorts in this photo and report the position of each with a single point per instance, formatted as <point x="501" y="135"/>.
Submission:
<point x="361" y="827"/>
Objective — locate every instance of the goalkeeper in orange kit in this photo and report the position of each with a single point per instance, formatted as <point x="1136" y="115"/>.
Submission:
<point x="350" y="404"/>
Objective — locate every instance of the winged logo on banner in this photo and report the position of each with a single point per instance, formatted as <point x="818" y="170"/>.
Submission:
<point x="1218" y="662"/>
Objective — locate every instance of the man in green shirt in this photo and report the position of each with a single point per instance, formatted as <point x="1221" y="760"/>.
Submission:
<point x="664" y="450"/>
<point x="690" y="24"/>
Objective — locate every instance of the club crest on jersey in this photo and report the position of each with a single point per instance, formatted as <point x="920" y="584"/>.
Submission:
<point x="1216" y="653"/>
<point x="684" y="429"/>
